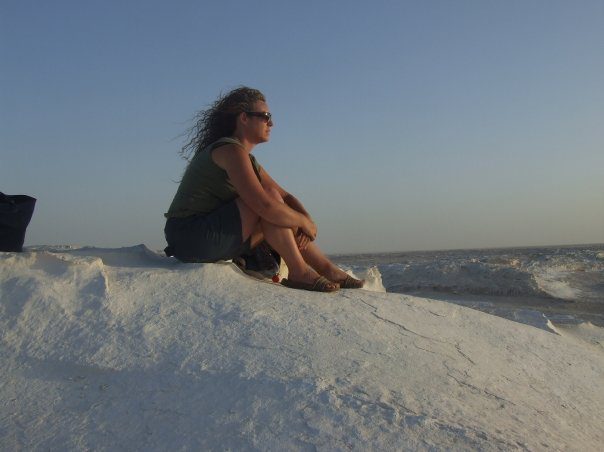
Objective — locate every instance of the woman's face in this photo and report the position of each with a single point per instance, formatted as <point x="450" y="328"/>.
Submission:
<point x="258" y="126"/>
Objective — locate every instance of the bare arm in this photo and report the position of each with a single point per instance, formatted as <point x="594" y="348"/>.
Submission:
<point x="302" y="239"/>
<point x="236" y="162"/>
<point x="290" y="200"/>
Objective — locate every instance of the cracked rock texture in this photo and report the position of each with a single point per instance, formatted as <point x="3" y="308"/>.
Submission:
<point x="122" y="349"/>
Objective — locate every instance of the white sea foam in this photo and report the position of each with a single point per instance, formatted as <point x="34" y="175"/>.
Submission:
<point x="554" y="284"/>
<point x="372" y="277"/>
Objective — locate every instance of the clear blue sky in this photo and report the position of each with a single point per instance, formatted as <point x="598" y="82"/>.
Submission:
<point x="400" y="125"/>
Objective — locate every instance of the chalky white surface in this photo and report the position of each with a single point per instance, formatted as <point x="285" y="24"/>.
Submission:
<point x="122" y="349"/>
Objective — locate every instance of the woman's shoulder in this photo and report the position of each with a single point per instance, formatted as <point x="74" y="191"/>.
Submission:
<point x="225" y="141"/>
<point x="207" y="153"/>
<point x="228" y="140"/>
<point x="225" y="154"/>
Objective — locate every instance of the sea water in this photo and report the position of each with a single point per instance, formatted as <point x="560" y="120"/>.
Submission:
<point x="537" y="286"/>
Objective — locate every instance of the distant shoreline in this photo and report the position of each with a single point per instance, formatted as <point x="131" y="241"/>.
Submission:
<point x="523" y="247"/>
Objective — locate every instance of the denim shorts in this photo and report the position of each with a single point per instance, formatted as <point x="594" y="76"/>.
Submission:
<point x="207" y="238"/>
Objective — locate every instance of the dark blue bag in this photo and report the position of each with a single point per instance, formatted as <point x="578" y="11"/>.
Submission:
<point x="15" y="213"/>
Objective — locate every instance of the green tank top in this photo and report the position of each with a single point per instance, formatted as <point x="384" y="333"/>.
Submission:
<point x="205" y="186"/>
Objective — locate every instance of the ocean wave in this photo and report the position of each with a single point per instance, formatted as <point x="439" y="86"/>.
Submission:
<point x="570" y="274"/>
<point x="477" y="278"/>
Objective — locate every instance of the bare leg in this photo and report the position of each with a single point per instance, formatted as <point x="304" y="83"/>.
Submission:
<point x="279" y="238"/>
<point x="321" y="263"/>
<point x="250" y="224"/>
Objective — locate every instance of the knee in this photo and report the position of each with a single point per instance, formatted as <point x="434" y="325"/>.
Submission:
<point x="274" y="193"/>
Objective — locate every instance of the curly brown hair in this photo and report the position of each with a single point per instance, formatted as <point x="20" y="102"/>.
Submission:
<point x="220" y="119"/>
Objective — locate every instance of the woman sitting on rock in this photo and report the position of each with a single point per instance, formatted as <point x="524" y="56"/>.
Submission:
<point x="227" y="204"/>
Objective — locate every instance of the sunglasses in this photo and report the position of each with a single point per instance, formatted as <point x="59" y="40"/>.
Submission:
<point x="261" y="114"/>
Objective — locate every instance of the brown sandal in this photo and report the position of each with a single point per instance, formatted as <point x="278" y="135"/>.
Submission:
<point x="320" y="284"/>
<point x="351" y="283"/>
